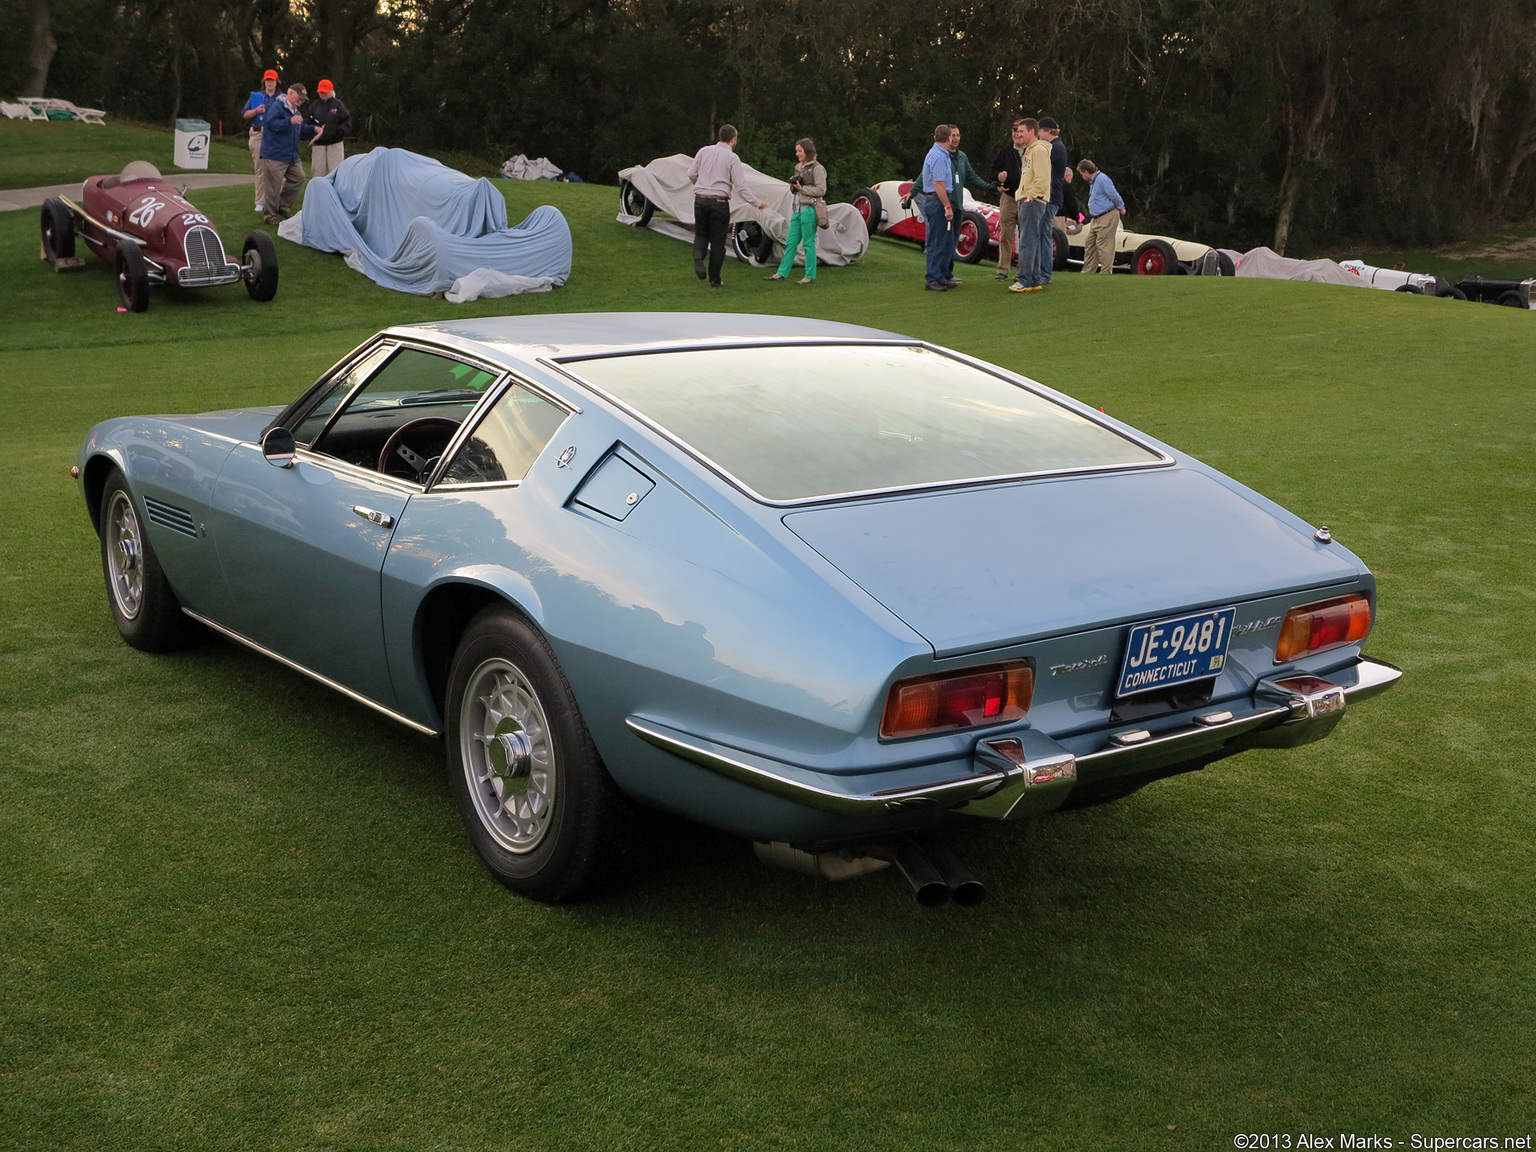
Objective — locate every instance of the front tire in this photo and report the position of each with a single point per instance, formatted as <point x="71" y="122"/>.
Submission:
<point x="1059" y="250"/>
<point x="132" y="278"/>
<point x="866" y="201"/>
<point x="633" y="202"/>
<point x="1156" y="258"/>
<point x="974" y="236"/>
<point x="58" y="230"/>
<point x="534" y="796"/>
<point x="259" y="257"/>
<point x="144" y="608"/>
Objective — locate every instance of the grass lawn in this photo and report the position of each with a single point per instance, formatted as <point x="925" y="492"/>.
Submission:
<point x="238" y="912"/>
<point x="33" y="153"/>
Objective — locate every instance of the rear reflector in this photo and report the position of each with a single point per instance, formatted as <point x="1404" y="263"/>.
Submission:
<point x="1318" y="627"/>
<point x="994" y="694"/>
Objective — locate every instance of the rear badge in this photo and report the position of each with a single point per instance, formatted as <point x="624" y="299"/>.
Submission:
<point x="565" y="458"/>
<point x="1179" y="650"/>
<point x="1079" y="665"/>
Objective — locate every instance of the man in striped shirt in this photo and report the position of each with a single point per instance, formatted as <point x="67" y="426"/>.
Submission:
<point x="716" y="171"/>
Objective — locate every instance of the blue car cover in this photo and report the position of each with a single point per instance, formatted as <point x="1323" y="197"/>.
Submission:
<point x="410" y="223"/>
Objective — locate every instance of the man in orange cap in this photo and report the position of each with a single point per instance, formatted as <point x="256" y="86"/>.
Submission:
<point x="255" y="113"/>
<point x="331" y="117"/>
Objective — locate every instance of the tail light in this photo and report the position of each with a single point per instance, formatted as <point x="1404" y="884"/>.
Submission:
<point x="1318" y="627"/>
<point x="972" y="698"/>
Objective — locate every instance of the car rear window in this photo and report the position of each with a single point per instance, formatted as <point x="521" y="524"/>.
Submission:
<point x="808" y="422"/>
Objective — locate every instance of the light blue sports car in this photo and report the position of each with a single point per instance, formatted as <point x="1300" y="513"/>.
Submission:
<point x="826" y="587"/>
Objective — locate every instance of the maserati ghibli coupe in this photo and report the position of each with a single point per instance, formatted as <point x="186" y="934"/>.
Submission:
<point x="828" y="588"/>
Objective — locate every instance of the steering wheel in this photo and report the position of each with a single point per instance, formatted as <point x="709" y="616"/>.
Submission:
<point x="397" y="458"/>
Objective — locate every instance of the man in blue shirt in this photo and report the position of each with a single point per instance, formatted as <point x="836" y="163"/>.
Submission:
<point x="254" y="113"/>
<point x="933" y="197"/>
<point x="1105" y="207"/>
<point x="281" y="173"/>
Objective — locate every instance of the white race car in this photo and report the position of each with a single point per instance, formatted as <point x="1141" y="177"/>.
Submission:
<point x="659" y="195"/>
<point x="887" y="208"/>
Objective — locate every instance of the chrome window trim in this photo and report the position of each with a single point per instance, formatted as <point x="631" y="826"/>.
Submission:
<point x="291" y="413"/>
<point x="312" y="674"/>
<point x="509" y="380"/>
<point x="335" y="464"/>
<point x="500" y="374"/>
<point x="1160" y="459"/>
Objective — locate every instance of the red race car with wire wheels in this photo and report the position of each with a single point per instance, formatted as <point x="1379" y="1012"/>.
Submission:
<point x="888" y="208"/>
<point x="151" y="234"/>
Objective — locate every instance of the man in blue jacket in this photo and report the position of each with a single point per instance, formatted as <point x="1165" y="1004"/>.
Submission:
<point x="281" y="173"/>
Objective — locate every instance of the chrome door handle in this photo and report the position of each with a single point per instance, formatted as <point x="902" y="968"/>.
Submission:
<point x="379" y="518"/>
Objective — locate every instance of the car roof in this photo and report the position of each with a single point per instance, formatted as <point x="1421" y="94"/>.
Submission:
<point x="521" y="339"/>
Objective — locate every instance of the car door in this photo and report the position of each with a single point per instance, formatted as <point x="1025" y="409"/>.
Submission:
<point x="302" y="547"/>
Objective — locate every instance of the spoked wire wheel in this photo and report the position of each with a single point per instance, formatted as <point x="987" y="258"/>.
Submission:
<point x="508" y="755"/>
<point x="124" y="554"/>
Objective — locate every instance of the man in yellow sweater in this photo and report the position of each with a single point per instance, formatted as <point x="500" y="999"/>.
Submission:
<point x="1033" y="196"/>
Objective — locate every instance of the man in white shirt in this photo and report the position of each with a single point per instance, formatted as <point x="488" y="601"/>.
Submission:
<point x="716" y="172"/>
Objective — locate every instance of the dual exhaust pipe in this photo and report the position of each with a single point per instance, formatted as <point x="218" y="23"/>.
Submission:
<point x="937" y="874"/>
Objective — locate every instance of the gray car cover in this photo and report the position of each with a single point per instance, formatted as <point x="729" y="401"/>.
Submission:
<point x="410" y="223"/>
<point x="1266" y="264"/>
<point x="664" y="182"/>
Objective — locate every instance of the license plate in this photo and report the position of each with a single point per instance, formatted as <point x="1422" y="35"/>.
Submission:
<point x="1176" y="651"/>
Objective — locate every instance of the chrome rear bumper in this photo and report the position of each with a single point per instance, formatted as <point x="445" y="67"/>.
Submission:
<point x="1027" y="772"/>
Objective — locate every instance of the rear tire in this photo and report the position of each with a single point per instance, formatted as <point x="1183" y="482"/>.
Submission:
<point x="866" y="202"/>
<point x="975" y="235"/>
<point x="632" y="202"/>
<point x="752" y="243"/>
<point x="1224" y="265"/>
<point x="58" y="229"/>
<point x="1058" y="250"/>
<point x="144" y="608"/>
<point x="132" y="277"/>
<point x="1155" y="258"/>
<point x="539" y="807"/>
<point x="260" y="259"/>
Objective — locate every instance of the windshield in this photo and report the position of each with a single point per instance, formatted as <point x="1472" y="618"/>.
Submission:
<point x="799" y="423"/>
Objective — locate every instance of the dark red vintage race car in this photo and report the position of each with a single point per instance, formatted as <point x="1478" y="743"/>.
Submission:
<point x="151" y="234"/>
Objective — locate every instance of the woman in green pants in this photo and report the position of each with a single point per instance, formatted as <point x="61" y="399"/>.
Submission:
<point x="809" y="184"/>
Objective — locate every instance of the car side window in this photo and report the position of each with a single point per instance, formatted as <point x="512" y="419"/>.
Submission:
<point x="314" y="420"/>
<point x="431" y="391"/>
<point x="506" y="442"/>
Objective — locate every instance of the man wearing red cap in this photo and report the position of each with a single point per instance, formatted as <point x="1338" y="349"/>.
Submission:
<point x="331" y="117"/>
<point x="255" y="113"/>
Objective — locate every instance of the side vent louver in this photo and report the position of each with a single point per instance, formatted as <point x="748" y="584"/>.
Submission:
<point x="170" y="516"/>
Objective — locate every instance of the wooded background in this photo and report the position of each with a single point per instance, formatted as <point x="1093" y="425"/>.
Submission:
<point x="1287" y="122"/>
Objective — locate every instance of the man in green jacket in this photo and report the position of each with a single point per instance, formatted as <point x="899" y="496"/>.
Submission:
<point x="965" y="176"/>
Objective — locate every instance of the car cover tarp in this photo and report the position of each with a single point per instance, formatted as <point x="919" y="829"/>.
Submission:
<point x="664" y="182"/>
<point x="410" y="223"/>
<point x="1266" y="264"/>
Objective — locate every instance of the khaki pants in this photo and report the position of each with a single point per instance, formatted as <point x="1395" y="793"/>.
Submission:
<point x="280" y="184"/>
<point x="256" y="161"/>
<point x="325" y="157"/>
<point x="1099" y="251"/>
<point x="1008" y="223"/>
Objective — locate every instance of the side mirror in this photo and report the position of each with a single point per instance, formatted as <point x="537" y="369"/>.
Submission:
<point x="278" y="446"/>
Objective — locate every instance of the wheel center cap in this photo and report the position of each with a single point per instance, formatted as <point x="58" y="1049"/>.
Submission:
<point x="511" y="755"/>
